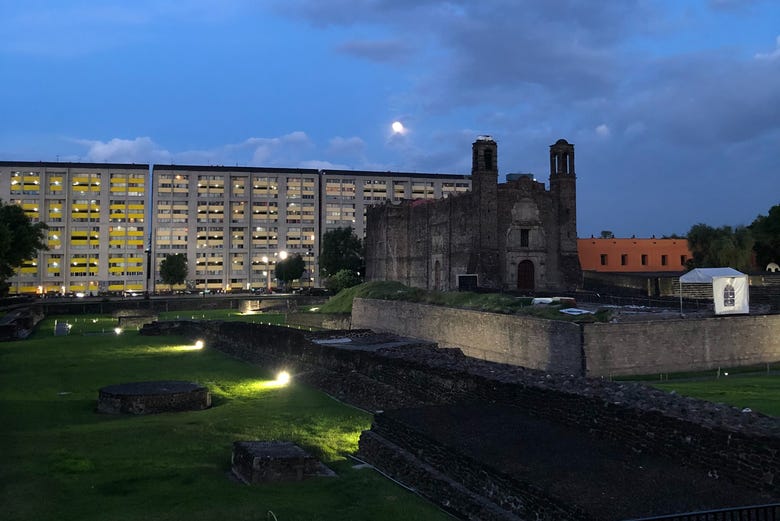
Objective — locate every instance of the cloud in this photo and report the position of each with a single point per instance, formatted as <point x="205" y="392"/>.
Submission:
<point x="708" y="100"/>
<point x="383" y="51"/>
<point x="138" y="150"/>
<point x="70" y="29"/>
<point x="351" y="146"/>
<point x="603" y="131"/>
<point x="772" y="55"/>
<point x="276" y="151"/>
<point x="318" y="164"/>
<point x="295" y="149"/>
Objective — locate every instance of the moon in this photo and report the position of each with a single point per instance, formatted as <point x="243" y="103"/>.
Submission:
<point x="398" y="127"/>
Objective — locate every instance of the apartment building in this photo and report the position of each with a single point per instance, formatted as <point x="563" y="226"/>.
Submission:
<point x="97" y="221"/>
<point x="347" y="193"/>
<point x="233" y="223"/>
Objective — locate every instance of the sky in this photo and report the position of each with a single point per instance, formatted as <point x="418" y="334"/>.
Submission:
<point x="673" y="105"/>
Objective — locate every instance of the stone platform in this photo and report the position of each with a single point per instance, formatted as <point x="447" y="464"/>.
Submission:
<point x="269" y="461"/>
<point x="492" y="462"/>
<point x="153" y="397"/>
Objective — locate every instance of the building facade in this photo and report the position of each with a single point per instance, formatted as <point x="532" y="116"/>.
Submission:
<point x="108" y="222"/>
<point x="96" y="214"/>
<point x="514" y="236"/>
<point x="634" y="255"/>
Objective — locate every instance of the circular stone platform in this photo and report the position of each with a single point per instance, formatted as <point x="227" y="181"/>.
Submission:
<point x="153" y="397"/>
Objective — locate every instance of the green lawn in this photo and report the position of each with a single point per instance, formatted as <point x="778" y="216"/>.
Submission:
<point x="760" y="393"/>
<point x="224" y="314"/>
<point x="63" y="461"/>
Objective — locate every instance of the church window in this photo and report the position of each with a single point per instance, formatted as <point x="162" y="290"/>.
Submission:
<point x="664" y="260"/>
<point x="604" y="259"/>
<point x="524" y="238"/>
<point x="624" y="259"/>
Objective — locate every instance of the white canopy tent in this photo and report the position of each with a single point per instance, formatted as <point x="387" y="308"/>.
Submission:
<point x="729" y="288"/>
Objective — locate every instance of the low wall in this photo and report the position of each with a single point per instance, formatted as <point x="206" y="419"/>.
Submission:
<point x="590" y="349"/>
<point x="667" y="346"/>
<point x="529" y="342"/>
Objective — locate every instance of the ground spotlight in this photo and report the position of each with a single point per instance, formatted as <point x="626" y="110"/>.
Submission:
<point x="199" y="344"/>
<point x="118" y="330"/>
<point x="283" y="378"/>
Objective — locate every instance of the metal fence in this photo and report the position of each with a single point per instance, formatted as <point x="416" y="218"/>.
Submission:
<point x="642" y="301"/>
<point x="752" y="513"/>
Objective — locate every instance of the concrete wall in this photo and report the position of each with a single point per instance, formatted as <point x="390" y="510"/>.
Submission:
<point x="529" y="342"/>
<point x="666" y="346"/>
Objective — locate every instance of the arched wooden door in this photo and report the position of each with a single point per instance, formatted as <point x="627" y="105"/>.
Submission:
<point x="525" y="275"/>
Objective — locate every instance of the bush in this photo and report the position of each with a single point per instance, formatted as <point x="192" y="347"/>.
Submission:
<point x="343" y="279"/>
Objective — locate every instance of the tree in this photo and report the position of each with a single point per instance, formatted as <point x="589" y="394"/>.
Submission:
<point x="342" y="280"/>
<point x="607" y="234"/>
<point x="341" y="250"/>
<point x="20" y="240"/>
<point x="173" y="269"/>
<point x="290" y="269"/>
<point x="766" y="232"/>
<point x="720" y="247"/>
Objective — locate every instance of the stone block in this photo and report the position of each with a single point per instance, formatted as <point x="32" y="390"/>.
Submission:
<point x="269" y="461"/>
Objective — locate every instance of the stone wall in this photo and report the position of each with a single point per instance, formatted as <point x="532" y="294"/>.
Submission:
<point x="741" y="446"/>
<point x="667" y="346"/>
<point x="460" y="485"/>
<point x="19" y="323"/>
<point x="592" y="349"/>
<point x="319" y="320"/>
<point x="529" y="342"/>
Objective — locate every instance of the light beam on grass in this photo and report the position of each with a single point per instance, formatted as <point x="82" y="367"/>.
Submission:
<point x="283" y="379"/>
<point x="179" y="348"/>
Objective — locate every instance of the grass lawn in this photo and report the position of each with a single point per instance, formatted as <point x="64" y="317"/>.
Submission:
<point x="489" y="302"/>
<point x="756" y="387"/>
<point x="760" y="393"/>
<point x="63" y="461"/>
<point x="224" y="314"/>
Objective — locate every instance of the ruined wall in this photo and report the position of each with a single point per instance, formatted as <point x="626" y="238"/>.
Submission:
<point x="667" y="346"/>
<point x="404" y="242"/>
<point x="740" y="446"/>
<point x="525" y="341"/>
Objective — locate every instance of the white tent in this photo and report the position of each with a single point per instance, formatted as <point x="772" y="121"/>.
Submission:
<point x="729" y="288"/>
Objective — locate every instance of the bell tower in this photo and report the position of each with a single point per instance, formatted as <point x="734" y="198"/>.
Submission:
<point x="484" y="185"/>
<point x="563" y="186"/>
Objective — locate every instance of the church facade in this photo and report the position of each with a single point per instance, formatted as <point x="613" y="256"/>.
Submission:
<point x="517" y="236"/>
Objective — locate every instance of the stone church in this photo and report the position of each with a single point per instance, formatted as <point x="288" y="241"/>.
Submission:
<point x="516" y="235"/>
